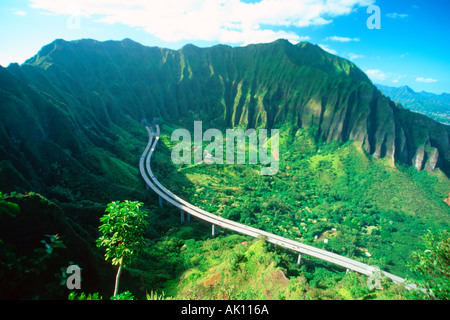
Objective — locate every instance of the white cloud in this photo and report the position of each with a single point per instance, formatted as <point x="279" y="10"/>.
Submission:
<point x="304" y="38"/>
<point x="375" y="74"/>
<point x="397" y="77"/>
<point x="354" y="56"/>
<point x="328" y="49"/>
<point x="342" y="39"/>
<point x="395" y="15"/>
<point x="227" y="21"/>
<point x="426" y="80"/>
<point x="378" y="75"/>
<point x="20" y="13"/>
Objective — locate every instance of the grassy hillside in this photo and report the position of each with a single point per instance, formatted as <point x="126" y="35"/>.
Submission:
<point x="234" y="267"/>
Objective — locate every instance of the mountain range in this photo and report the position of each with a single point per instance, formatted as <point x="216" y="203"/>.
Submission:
<point x="75" y="108"/>
<point x="432" y="105"/>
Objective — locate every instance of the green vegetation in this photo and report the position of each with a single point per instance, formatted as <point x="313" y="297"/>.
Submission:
<point x="326" y="191"/>
<point x="183" y="262"/>
<point x="82" y="296"/>
<point x="234" y="267"/>
<point x="70" y="129"/>
<point x="434" y="264"/>
<point x="31" y="250"/>
<point x="122" y="229"/>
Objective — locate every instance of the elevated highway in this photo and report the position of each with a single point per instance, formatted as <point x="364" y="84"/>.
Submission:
<point x="215" y="220"/>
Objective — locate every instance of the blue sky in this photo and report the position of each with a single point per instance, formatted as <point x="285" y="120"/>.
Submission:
<point x="411" y="48"/>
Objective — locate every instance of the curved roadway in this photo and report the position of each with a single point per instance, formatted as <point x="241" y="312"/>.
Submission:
<point x="155" y="185"/>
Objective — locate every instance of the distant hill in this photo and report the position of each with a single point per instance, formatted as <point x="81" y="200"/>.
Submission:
<point x="432" y="105"/>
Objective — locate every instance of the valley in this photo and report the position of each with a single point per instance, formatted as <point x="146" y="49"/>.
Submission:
<point x="354" y="168"/>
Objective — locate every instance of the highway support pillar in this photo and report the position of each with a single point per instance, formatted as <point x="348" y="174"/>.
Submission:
<point x="299" y="259"/>
<point x="160" y="201"/>
<point x="185" y="216"/>
<point x="214" y="230"/>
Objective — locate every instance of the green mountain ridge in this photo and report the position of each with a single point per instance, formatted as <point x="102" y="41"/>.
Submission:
<point x="99" y="91"/>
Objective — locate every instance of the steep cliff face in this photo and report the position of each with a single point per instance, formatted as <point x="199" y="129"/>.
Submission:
<point x="426" y="143"/>
<point x="80" y="102"/>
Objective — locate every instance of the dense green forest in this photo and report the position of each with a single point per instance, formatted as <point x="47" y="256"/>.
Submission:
<point x="179" y="261"/>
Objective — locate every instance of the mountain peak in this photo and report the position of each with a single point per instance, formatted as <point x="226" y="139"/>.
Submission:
<point x="282" y="41"/>
<point x="189" y="47"/>
<point x="407" y="89"/>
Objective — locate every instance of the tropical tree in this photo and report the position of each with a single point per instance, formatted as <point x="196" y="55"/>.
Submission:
<point x="123" y="228"/>
<point x="434" y="264"/>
